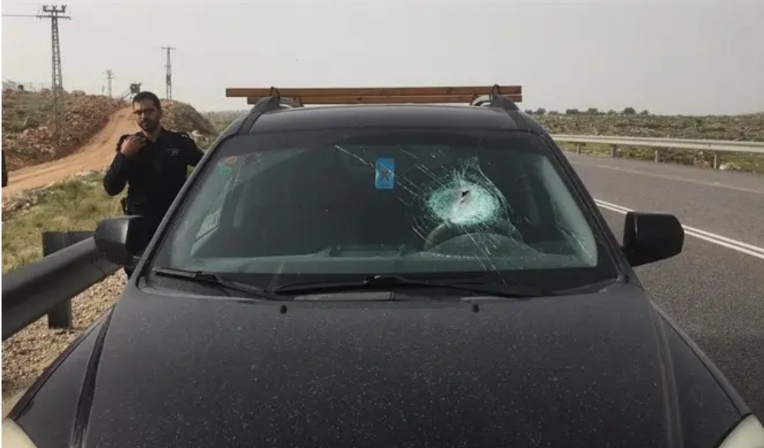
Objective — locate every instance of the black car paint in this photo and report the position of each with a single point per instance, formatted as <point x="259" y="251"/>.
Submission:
<point x="589" y="370"/>
<point x="563" y="371"/>
<point x="53" y="399"/>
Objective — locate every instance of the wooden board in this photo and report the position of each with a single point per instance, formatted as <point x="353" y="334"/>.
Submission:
<point x="259" y="92"/>
<point x="420" y="99"/>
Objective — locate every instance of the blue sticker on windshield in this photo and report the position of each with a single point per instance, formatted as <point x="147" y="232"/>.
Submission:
<point x="384" y="178"/>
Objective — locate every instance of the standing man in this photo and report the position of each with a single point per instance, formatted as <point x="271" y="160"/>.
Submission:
<point x="153" y="163"/>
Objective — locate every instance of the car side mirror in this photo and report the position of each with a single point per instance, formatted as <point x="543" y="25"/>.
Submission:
<point x="650" y="237"/>
<point x="119" y="239"/>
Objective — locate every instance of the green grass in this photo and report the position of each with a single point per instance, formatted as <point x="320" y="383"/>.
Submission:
<point x="72" y="205"/>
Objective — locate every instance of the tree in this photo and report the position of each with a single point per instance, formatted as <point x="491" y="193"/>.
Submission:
<point x="629" y="111"/>
<point x="540" y="111"/>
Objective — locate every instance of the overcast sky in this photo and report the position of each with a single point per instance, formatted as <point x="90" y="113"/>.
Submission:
<point x="667" y="56"/>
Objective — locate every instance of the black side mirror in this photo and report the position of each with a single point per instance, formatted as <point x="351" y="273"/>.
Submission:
<point x="649" y="237"/>
<point x="120" y="239"/>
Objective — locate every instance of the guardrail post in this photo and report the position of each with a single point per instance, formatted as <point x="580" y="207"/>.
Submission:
<point x="578" y="148"/>
<point x="614" y="151"/>
<point x="61" y="316"/>
<point x="657" y="156"/>
<point x="716" y="160"/>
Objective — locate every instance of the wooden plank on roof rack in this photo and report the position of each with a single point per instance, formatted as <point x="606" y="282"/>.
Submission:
<point x="421" y="99"/>
<point x="371" y="91"/>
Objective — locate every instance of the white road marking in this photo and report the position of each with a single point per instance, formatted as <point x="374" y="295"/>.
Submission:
<point x="719" y="240"/>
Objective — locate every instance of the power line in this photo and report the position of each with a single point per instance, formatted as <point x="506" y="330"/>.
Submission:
<point x="168" y="77"/>
<point x="109" y="77"/>
<point x="54" y="12"/>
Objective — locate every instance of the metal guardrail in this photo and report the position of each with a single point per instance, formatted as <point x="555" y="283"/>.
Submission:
<point x="712" y="146"/>
<point x="668" y="143"/>
<point x="46" y="286"/>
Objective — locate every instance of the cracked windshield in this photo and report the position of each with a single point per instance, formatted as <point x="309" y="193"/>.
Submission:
<point x="424" y="202"/>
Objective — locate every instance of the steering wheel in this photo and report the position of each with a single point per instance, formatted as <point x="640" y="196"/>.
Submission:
<point x="445" y="231"/>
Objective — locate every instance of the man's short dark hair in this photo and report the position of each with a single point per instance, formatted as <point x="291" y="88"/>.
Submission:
<point x="146" y="95"/>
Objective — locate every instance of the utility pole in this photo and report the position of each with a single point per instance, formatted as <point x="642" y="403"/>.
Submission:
<point x="54" y="12"/>
<point x="109" y="77"/>
<point x="168" y="77"/>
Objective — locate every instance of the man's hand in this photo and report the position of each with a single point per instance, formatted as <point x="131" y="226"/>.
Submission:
<point x="132" y="145"/>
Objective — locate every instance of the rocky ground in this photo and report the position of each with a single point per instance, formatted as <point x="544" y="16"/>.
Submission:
<point x="27" y="353"/>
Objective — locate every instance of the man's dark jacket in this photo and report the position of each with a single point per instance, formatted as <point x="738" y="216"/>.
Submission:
<point x="154" y="176"/>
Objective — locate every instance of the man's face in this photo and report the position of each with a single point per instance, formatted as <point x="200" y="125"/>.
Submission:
<point x="147" y="115"/>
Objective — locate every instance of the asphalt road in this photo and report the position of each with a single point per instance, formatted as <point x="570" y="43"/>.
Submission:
<point x="715" y="288"/>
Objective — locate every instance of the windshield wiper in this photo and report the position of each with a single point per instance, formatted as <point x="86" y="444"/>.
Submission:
<point x="399" y="282"/>
<point x="210" y="278"/>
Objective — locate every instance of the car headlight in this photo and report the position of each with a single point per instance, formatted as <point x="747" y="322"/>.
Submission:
<point x="15" y="437"/>
<point x="748" y="434"/>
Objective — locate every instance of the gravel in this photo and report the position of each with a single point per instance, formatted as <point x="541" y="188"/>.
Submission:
<point x="27" y="353"/>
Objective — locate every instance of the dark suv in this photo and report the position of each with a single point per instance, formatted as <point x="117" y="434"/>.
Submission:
<point x="385" y="276"/>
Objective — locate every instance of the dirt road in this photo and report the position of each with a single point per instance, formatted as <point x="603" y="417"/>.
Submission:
<point x="95" y="155"/>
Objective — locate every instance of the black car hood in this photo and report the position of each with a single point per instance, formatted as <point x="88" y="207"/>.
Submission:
<point x="567" y="371"/>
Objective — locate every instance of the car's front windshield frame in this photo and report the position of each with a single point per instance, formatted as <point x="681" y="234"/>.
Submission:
<point x="231" y="146"/>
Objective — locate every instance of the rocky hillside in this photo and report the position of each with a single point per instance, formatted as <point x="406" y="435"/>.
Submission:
<point x="28" y="130"/>
<point x="183" y="117"/>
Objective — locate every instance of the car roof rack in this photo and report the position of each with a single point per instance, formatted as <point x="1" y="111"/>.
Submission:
<point x="495" y="99"/>
<point x="504" y="97"/>
<point x="272" y="102"/>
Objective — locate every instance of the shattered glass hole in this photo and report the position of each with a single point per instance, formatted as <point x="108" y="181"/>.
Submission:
<point x="464" y="204"/>
<point x="465" y="197"/>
